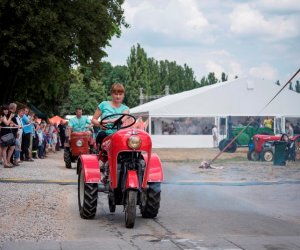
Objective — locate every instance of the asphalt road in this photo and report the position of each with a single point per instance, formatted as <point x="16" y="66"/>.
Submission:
<point x="194" y="214"/>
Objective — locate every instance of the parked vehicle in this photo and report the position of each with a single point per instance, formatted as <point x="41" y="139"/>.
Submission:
<point x="125" y="169"/>
<point x="261" y="147"/>
<point x="79" y="143"/>
<point x="244" y="138"/>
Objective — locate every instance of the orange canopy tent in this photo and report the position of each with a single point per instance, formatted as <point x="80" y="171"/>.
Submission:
<point x="56" y="119"/>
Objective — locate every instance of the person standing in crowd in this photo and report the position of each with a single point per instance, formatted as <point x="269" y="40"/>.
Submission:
<point x="54" y="138"/>
<point x="268" y="123"/>
<point x="289" y="129"/>
<point x="40" y="137"/>
<point x="18" y="120"/>
<point x="32" y="134"/>
<point x="1" y="117"/>
<point x="215" y="136"/>
<point x="26" y="136"/>
<point x="62" y="133"/>
<point x="6" y="128"/>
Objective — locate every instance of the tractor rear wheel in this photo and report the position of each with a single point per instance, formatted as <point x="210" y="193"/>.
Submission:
<point x="232" y="148"/>
<point x="130" y="208"/>
<point x="87" y="197"/>
<point x="252" y="155"/>
<point x="67" y="158"/>
<point x="150" y="200"/>
<point x="267" y="155"/>
<point x="222" y="144"/>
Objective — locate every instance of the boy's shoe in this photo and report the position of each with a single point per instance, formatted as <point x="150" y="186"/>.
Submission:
<point x="15" y="163"/>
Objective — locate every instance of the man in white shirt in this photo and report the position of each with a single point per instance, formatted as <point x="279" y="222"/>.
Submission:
<point x="215" y="136"/>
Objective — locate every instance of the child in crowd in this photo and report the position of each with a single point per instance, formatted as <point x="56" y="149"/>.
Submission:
<point x="40" y="142"/>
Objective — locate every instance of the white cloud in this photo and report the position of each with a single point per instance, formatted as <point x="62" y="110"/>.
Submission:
<point x="210" y="35"/>
<point x="279" y="5"/>
<point x="212" y="66"/>
<point x="264" y="71"/>
<point x="247" y="21"/>
<point x="178" y="19"/>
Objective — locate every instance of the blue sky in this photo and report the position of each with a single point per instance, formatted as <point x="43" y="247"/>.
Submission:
<point x="258" y="38"/>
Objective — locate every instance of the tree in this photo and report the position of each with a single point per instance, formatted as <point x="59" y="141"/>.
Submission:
<point x="82" y="94"/>
<point x="224" y="77"/>
<point x="211" y="78"/>
<point x="291" y="86"/>
<point x="110" y="75"/>
<point x="277" y="83"/>
<point x="137" y="75"/>
<point x="297" y="86"/>
<point x="154" y="76"/>
<point x="42" y="40"/>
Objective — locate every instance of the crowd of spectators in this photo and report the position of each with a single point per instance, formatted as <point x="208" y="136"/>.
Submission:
<point x="25" y="137"/>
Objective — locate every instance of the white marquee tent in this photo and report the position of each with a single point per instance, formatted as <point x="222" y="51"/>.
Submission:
<point x="240" y="98"/>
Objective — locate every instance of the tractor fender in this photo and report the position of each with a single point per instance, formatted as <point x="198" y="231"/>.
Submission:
<point x="90" y="166"/>
<point x="154" y="172"/>
<point x="132" y="181"/>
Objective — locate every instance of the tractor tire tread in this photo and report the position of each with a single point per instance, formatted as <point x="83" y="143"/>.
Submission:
<point x="67" y="159"/>
<point x="89" y="208"/>
<point x="152" y="204"/>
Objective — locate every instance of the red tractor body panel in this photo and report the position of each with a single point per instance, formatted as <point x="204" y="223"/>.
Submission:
<point x="132" y="181"/>
<point x="77" y="139"/>
<point x="259" y="140"/>
<point x="90" y="165"/>
<point x="154" y="172"/>
<point x="117" y="142"/>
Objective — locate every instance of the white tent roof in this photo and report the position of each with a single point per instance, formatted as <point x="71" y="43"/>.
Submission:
<point x="239" y="97"/>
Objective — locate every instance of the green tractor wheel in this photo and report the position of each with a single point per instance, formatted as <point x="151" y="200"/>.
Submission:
<point x="231" y="149"/>
<point x="222" y="144"/>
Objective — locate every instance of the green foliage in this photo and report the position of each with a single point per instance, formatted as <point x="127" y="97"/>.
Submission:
<point x="42" y="40"/>
<point x="291" y="86"/>
<point x="277" y="83"/>
<point x="297" y="86"/>
<point x="86" y="95"/>
<point x="224" y="77"/>
<point x="110" y="75"/>
<point x="153" y="76"/>
<point x="211" y="79"/>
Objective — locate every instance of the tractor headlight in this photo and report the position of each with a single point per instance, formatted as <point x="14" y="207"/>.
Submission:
<point x="134" y="142"/>
<point x="79" y="143"/>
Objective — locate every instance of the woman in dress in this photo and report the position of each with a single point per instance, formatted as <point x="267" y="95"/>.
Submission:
<point x="7" y="150"/>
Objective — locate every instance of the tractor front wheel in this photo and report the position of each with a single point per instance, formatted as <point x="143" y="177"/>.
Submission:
<point x="67" y="158"/>
<point x="130" y="208"/>
<point x="267" y="155"/>
<point x="87" y="197"/>
<point x="150" y="201"/>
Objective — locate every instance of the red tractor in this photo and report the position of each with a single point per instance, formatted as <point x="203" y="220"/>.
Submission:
<point x="79" y="143"/>
<point x="261" y="147"/>
<point x="125" y="169"/>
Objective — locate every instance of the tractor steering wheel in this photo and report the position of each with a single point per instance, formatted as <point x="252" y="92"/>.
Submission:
<point x="117" y="124"/>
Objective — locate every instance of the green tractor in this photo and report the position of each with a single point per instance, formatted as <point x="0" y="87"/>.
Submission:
<point x="244" y="138"/>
